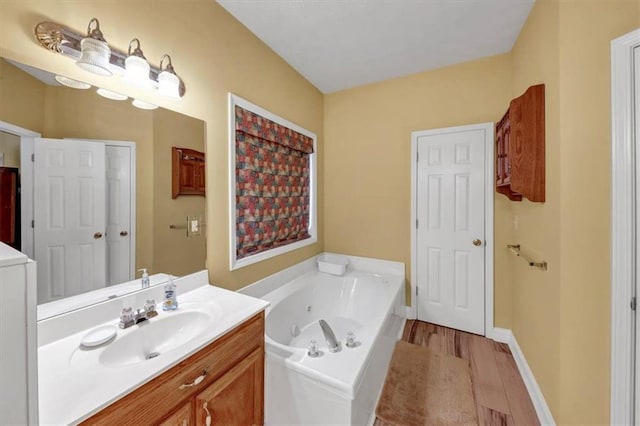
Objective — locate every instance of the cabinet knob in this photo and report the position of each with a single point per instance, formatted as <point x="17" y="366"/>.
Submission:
<point x="477" y="242"/>
<point x="123" y="233"/>
<point x="97" y="235"/>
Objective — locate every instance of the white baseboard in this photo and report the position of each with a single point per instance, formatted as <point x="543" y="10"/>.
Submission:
<point x="504" y="335"/>
<point x="411" y="313"/>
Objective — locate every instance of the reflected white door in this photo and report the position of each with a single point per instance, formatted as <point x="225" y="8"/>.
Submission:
<point x="119" y="229"/>
<point x="451" y="236"/>
<point x="69" y="216"/>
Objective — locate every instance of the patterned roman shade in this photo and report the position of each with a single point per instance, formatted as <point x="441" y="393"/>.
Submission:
<point x="272" y="184"/>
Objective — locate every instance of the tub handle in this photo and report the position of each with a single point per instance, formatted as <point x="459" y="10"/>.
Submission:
<point x="196" y="382"/>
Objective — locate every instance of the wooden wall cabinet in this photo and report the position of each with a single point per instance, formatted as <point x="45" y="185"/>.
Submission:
<point x="232" y="389"/>
<point x="187" y="172"/>
<point x="520" y="155"/>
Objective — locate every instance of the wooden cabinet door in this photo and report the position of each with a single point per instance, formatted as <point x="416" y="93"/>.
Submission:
<point x="181" y="417"/>
<point x="526" y="144"/>
<point x="237" y="397"/>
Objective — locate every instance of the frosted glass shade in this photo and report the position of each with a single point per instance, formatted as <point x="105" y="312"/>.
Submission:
<point x="111" y="95"/>
<point x="95" y="56"/>
<point x="143" y="105"/>
<point x="69" y="82"/>
<point x="169" y="85"/>
<point x="137" y="71"/>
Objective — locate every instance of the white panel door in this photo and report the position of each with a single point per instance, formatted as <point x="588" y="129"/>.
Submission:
<point x="119" y="230"/>
<point x="450" y="236"/>
<point x="69" y="215"/>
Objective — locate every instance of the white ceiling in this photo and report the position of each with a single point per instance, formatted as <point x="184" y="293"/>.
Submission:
<point x="339" y="44"/>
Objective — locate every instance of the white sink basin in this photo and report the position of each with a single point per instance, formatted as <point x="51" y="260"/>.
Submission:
<point x="159" y="335"/>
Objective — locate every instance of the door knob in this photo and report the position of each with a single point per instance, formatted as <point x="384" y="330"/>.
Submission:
<point x="123" y="233"/>
<point x="477" y="242"/>
<point x="97" y="235"/>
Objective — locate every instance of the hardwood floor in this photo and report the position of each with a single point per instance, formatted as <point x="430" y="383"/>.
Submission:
<point x="500" y="394"/>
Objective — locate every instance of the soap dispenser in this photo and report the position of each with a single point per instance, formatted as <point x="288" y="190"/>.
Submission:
<point x="145" y="277"/>
<point x="170" y="298"/>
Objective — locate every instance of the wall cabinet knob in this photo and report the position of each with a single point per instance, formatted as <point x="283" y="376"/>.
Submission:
<point x="123" y="233"/>
<point x="97" y="235"/>
<point x="477" y="242"/>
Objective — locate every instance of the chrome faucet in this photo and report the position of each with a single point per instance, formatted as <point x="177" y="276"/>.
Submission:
<point x="330" y="337"/>
<point x="128" y="317"/>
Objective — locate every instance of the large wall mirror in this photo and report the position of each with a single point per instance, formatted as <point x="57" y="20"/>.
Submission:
<point x="93" y="204"/>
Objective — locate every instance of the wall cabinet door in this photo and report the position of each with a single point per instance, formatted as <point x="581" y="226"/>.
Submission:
<point x="236" y="397"/>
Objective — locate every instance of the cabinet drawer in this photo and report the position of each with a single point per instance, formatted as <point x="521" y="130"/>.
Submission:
<point x="154" y="400"/>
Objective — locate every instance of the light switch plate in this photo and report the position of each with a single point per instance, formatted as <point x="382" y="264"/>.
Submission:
<point x="194" y="227"/>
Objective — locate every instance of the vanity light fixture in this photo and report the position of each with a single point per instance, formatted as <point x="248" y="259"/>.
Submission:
<point x="111" y="95"/>
<point x="95" y="52"/>
<point x="143" y="105"/>
<point x="136" y="66"/>
<point x="168" y="81"/>
<point x="91" y="52"/>
<point x="69" y="82"/>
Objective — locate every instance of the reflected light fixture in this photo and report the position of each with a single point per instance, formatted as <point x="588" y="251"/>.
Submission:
<point x="143" y="105"/>
<point x="69" y="82"/>
<point x="136" y="66"/>
<point x="168" y="81"/>
<point x="111" y="95"/>
<point x="95" y="52"/>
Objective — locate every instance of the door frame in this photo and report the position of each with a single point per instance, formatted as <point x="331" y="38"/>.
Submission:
<point x="624" y="162"/>
<point x="27" y="138"/>
<point x="489" y="148"/>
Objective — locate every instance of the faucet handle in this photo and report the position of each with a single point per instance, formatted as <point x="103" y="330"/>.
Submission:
<point x="313" y="351"/>
<point x="126" y="318"/>
<point x="351" y="340"/>
<point x="150" y="308"/>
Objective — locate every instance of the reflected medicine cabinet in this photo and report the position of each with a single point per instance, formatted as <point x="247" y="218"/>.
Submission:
<point x="520" y="134"/>
<point x="187" y="172"/>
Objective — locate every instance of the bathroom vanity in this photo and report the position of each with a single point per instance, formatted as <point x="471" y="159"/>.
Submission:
<point x="231" y="370"/>
<point x="203" y="360"/>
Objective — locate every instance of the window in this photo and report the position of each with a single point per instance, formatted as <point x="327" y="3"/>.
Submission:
<point x="272" y="184"/>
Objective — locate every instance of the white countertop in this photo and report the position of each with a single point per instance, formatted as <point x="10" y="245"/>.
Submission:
<point x="10" y="256"/>
<point x="73" y="385"/>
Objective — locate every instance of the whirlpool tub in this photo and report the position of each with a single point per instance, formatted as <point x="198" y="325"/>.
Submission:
<point x="341" y="387"/>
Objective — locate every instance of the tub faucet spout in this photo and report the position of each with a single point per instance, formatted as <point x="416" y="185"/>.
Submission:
<point x="330" y="337"/>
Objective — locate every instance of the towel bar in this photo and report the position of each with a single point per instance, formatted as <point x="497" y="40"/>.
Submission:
<point x="515" y="248"/>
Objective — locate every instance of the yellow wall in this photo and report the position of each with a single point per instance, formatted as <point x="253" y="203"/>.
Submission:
<point x="174" y="252"/>
<point x="586" y="30"/>
<point x="10" y="149"/>
<point x="368" y="149"/>
<point x="535" y="302"/>
<point x="213" y="54"/>
<point x="562" y="318"/>
<point x="21" y="98"/>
